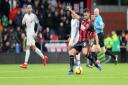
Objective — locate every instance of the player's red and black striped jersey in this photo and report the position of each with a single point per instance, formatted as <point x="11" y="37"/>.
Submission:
<point x="86" y="30"/>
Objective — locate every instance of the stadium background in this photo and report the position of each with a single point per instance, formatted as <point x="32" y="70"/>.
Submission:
<point x="55" y="22"/>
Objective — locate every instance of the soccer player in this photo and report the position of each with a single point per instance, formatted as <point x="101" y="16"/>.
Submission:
<point x="30" y="19"/>
<point x="94" y="45"/>
<point x="99" y="27"/>
<point x="83" y="43"/>
<point x="74" y="37"/>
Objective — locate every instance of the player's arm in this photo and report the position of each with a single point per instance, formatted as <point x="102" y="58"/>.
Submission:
<point x="38" y="24"/>
<point x="96" y="38"/>
<point x="24" y="22"/>
<point x="76" y="16"/>
<point x="95" y="34"/>
<point x="100" y="25"/>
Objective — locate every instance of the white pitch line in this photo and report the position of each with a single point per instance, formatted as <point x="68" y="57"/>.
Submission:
<point x="12" y="71"/>
<point x="63" y="77"/>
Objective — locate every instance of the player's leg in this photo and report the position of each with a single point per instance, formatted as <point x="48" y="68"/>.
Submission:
<point x="27" y="55"/>
<point x="94" y="50"/>
<point x="38" y="51"/>
<point x="85" y="51"/>
<point x="77" y="59"/>
<point x="72" y="53"/>
<point x="107" y="52"/>
<point x="93" y="56"/>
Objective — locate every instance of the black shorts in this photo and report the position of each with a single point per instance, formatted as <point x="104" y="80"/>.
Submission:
<point x="81" y="45"/>
<point x="101" y="39"/>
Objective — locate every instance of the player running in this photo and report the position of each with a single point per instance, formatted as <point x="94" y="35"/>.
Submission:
<point x="30" y="19"/>
<point x="74" y="37"/>
<point x="83" y="43"/>
<point x="99" y="27"/>
<point x="94" y="45"/>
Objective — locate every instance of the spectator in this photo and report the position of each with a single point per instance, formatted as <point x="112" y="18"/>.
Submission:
<point x="23" y="9"/>
<point x="13" y="13"/>
<point x="67" y="27"/>
<point x="54" y="4"/>
<point x="5" y="40"/>
<point x="40" y="40"/>
<point x="18" y="19"/>
<point x="29" y="2"/>
<point x="46" y="34"/>
<point x="62" y="15"/>
<point x="11" y="39"/>
<point x="108" y="42"/>
<point x="116" y="43"/>
<point x="53" y="18"/>
<point x="5" y="7"/>
<point x="123" y="43"/>
<point x="56" y="20"/>
<point x="49" y="9"/>
<point x="13" y="3"/>
<point x="62" y="35"/>
<point x="1" y="29"/>
<point x="49" y="20"/>
<point x="5" y="21"/>
<point x="18" y="35"/>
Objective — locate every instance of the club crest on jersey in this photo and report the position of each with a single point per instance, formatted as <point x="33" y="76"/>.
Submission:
<point x="84" y="27"/>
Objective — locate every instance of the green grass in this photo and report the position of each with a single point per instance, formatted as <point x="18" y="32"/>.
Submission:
<point x="55" y="74"/>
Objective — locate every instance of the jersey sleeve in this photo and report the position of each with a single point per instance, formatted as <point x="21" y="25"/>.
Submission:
<point x="99" y="22"/>
<point x="36" y="19"/>
<point x="24" y="19"/>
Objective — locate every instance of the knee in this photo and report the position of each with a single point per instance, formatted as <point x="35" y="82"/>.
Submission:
<point x="71" y="52"/>
<point x="84" y="53"/>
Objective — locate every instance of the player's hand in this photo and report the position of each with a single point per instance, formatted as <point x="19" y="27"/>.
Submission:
<point x="69" y="8"/>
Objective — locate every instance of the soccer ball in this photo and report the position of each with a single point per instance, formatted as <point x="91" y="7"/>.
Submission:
<point x="78" y="70"/>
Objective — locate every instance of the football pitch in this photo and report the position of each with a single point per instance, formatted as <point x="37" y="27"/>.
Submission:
<point x="56" y="74"/>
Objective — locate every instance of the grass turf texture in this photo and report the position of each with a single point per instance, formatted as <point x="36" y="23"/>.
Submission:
<point x="56" y="74"/>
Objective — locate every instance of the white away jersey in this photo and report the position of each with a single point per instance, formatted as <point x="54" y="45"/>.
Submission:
<point x="30" y="20"/>
<point x="74" y="32"/>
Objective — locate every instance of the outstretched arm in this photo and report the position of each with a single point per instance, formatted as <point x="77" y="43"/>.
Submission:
<point x="76" y="16"/>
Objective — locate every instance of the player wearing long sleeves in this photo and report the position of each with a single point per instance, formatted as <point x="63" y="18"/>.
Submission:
<point x="83" y="43"/>
<point x="29" y="20"/>
<point x="74" y="37"/>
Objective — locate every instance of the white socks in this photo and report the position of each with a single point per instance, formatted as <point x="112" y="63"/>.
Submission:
<point x="39" y="53"/>
<point x="27" y="56"/>
<point x="78" y="59"/>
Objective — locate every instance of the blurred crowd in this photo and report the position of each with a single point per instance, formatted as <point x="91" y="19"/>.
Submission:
<point x="55" y="23"/>
<point x="53" y="17"/>
<point x="117" y="42"/>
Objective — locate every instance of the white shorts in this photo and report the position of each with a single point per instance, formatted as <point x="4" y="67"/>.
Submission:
<point x="30" y="41"/>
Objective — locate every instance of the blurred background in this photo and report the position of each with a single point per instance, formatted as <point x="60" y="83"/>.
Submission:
<point x="55" y="22"/>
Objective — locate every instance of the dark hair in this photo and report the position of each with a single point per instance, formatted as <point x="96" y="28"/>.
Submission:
<point x="86" y="10"/>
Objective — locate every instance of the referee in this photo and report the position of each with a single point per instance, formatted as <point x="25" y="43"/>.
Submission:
<point x="99" y="27"/>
